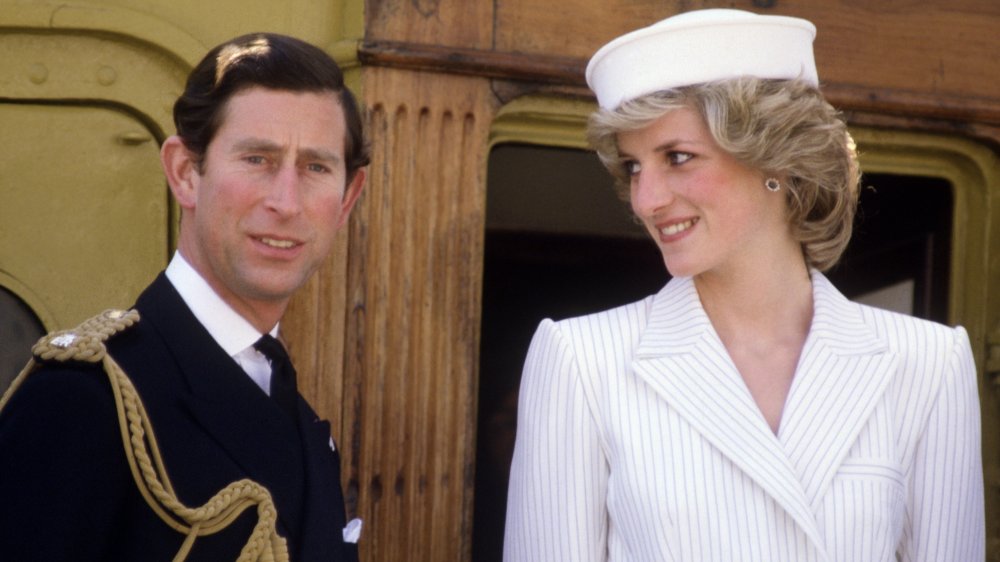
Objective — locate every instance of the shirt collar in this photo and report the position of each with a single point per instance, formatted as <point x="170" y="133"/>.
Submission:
<point x="230" y="330"/>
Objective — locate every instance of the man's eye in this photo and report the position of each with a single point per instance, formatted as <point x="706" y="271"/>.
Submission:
<point x="254" y="159"/>
<point x="318" y="168"/>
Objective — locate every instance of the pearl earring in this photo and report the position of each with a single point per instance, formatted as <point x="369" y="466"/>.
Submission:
<point x="772" y="184"/>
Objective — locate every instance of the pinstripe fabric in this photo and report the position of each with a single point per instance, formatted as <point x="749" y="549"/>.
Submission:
<point x="638" y="440"/>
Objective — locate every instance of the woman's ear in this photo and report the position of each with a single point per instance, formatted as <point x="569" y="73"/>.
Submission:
<point x="181" y="169"/>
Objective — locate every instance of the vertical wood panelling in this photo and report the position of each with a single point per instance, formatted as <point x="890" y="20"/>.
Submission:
<point x="414" y="274"/>
<point x="445" y="22"/>
<point x="313" y="329"/>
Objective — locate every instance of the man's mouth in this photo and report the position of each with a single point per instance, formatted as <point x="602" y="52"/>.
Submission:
<point x="275" y="243"/>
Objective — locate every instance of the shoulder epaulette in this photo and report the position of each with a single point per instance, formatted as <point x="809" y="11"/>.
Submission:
<point x="86" y="341"/>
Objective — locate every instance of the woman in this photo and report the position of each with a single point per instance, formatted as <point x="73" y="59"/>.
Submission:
<point x="748" y="411"/>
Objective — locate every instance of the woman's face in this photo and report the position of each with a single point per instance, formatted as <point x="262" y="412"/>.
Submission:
<point x="708" y="213"/>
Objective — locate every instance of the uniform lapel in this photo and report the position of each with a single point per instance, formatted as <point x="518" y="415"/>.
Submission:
<point x="682" y="358"/>
<point x="323" y="515"/>
<point x="243" y="424"/>
<point x="238" y="416"/>
<point x="842" y="375"/>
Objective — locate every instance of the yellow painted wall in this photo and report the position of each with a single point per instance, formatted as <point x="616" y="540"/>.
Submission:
<point x="86" y="90"/>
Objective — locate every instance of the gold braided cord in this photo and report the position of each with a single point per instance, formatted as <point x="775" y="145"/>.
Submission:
<point x="86" y="343"/>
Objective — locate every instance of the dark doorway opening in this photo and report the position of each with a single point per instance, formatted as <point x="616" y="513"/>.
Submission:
<point x="20" y="328"/>
<point x="900" y="254"/>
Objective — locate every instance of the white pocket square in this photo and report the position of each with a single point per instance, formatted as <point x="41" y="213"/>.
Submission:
<point x="352" y="532"/>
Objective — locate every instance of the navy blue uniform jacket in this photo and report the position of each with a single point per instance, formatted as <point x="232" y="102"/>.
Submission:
<point x="66" y="491"/>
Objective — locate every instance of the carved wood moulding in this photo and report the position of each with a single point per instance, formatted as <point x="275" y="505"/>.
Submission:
<point x="559" y="71"/>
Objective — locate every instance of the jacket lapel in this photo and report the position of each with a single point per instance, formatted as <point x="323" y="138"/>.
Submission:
<point x="323" y="513"/>
<point x="240" y="418"/>
<point x="842" y="375"/>
<point x="682" y="358"/>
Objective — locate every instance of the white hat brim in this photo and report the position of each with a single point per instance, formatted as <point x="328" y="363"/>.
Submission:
<point x="702" y="46"/>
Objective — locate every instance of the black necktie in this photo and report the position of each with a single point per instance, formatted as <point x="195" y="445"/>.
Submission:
<point x="283" y="390"/>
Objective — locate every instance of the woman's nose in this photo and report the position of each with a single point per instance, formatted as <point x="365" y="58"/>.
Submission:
<point x="649" y="193"/>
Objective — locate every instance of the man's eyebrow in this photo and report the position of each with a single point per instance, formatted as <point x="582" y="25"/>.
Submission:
<point x="319" y="154"/>
<point x="262" y="145"/>
<point x="254" y="144"/>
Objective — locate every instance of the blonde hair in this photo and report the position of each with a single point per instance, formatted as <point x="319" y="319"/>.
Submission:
<point x="783" y="128"/>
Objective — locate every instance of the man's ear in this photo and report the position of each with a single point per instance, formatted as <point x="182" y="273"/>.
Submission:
<point x="351" y="193"/>
<point x="181" y="170"/>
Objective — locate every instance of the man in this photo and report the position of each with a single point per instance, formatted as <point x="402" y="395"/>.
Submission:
<point x="268" y="161"/>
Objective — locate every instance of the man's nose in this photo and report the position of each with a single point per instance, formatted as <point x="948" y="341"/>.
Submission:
<point x="284" y="195"/>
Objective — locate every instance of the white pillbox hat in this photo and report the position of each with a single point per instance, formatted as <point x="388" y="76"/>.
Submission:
<point x="701" y="46"/>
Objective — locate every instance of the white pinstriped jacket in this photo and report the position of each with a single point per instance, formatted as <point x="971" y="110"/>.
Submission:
<point x="638" y="441"/>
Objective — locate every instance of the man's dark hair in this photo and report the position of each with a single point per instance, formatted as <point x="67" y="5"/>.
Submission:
<point x="265" y="60"/>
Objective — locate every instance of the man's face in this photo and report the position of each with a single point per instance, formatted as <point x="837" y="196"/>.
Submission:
<point x="268" y="198"/>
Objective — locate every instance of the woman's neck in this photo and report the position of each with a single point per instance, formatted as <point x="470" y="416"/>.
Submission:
<point x="768" y="304"/>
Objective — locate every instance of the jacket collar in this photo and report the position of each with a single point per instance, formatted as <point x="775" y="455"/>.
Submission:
<point x="843" y="371"/>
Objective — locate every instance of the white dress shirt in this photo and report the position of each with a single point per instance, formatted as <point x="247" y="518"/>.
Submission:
<point x="230" y="330"/>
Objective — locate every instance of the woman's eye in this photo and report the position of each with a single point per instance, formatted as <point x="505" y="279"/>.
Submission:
<point x="631" y="167"/>
<point x="677" y="158"/>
